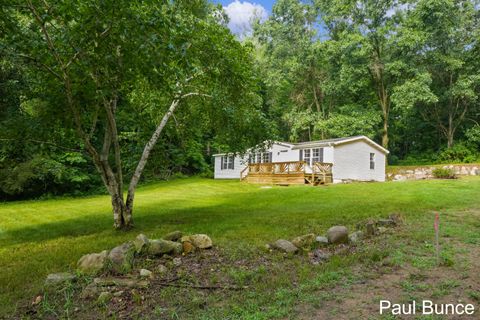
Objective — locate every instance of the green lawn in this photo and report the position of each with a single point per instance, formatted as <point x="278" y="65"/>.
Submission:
<point x="41" y="237"/>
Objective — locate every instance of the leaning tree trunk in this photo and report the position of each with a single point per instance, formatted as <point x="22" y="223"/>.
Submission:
<point x="144" y="158"/>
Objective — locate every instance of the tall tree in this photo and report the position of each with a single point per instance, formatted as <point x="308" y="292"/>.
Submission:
<point x="99" y="60"/>
<point x="365" y="31"/>
<point x="441" y="39"/>
<point x="291" y="65"/>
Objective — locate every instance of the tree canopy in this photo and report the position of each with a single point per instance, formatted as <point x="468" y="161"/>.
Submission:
<point x="113" y="92"/>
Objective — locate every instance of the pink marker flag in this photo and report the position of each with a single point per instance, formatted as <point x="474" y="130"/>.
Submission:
<point x="436" y="224"/>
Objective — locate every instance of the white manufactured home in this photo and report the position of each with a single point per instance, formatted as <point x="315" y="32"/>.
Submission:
<point x="334" y="160"/>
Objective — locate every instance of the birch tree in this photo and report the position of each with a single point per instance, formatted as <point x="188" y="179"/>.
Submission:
<point x="94" y="58"/>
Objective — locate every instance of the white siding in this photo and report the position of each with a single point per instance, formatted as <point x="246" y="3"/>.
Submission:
<point x="352" y="162"/>
<point x="238" y="166"/>
<point x="282" y="153"/>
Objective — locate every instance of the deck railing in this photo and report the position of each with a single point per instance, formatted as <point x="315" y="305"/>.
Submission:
<point x="289" y="167"/>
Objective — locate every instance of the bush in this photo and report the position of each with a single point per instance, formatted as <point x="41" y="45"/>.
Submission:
<point x="459" y="153"/>
<point x="444" y="173"/>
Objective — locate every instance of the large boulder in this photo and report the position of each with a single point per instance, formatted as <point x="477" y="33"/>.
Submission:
<point x="187" y="247"/>
<point x="121" y="257"/>
<point x="141" y="243"/>
<point x="159" y="247"/>
<point x="284" y="246"/>
<point x="55" y="280"/>
<point x="173" y="236"/>
<point x="304" y="241"/>
<point x="92" y="263"/>
<point x="337" y="234"/>
<point x="201" y="241"/>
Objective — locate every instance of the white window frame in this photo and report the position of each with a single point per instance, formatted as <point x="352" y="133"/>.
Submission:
<point x="317" y="155"/>
<point x="266" y="157"/>
<point x="227" y="163"/>
<point x="372" y="161"/>
<point x="307" y="156"/>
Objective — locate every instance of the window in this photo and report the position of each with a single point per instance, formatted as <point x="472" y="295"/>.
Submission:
<point x="372" y="161"/>
<point x="227" y="162"/>
<point x="306" y="156"/>
<point x="267" y="157"/>
<point x="317" y="155"/>
<point x="259" y="157"/>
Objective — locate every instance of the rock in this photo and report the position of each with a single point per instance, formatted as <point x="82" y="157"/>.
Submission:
<point x="322" y="240"/>
<point x="386" y="222"/>
<point x="304" y="241"/>
<point x="187" y="247"/>
<point x="318" y="256"/>
<point x="144" y="273"/>
<point x="37" y="300"/>
<point x="201" y="241"/>
<point x="355" y="236"/>
<point x="141" y="243"/>
<point x="173" y="236"/>
<point x="370" y="228"/>
<point x="382" y="230"/>
<point x="159" y="247"/>
<point x="92" y="263"/>
<point x="337" y="234"/>
<point x="285" y="246"/>
<point x="120" y="282"/>
<point x="90" y="291"/>
<point x="104" y="297"/>
<point x="177" y="262"/>
<point x="161" y="269"/>
<point x="399" y="177"/>
<point x="118" y="293"/>
<point x="396" y="218"/>
<point x="59" y="279"/>
<point x="121" y="258"/>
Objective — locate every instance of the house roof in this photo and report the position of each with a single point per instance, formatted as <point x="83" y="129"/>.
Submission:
<point x="325" y="143"/>
<point x="338" y="141"/>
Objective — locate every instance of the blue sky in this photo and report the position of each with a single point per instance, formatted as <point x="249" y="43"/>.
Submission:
<point x="267" y="4"/>
<point x="241" y="13"/>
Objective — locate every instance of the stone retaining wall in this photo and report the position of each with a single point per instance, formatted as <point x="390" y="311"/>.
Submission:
<point x="425" y="172"/>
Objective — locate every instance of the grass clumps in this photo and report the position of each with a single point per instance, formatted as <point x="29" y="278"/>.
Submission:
<point x="444" y="173"/>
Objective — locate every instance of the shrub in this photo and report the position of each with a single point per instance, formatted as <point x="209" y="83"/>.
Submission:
<point x="444" y="173"/>
<point x="459" y="153"/>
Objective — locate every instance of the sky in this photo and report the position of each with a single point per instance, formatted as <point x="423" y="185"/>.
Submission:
<point x="241" y="13"/>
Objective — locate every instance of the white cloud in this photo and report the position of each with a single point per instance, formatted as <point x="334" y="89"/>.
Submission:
<point x="242" y="14"/>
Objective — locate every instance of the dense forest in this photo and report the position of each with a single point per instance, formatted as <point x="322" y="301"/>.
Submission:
<point x="91" y="90"/>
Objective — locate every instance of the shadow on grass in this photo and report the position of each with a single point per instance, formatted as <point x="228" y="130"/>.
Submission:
<point x="277" y="209"/>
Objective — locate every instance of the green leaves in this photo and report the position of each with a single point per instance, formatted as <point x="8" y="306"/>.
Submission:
<point x="413" y="91"/>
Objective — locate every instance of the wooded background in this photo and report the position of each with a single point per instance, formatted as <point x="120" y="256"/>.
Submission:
<point x="404" y="73"/>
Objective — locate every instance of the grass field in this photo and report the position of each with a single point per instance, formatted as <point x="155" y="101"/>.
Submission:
<point x="41" y="237"/>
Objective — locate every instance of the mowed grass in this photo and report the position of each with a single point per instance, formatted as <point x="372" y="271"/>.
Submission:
<point x="41" y="237"/>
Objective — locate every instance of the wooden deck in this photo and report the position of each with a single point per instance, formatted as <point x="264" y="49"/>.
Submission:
<point x="285" y="173"/>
